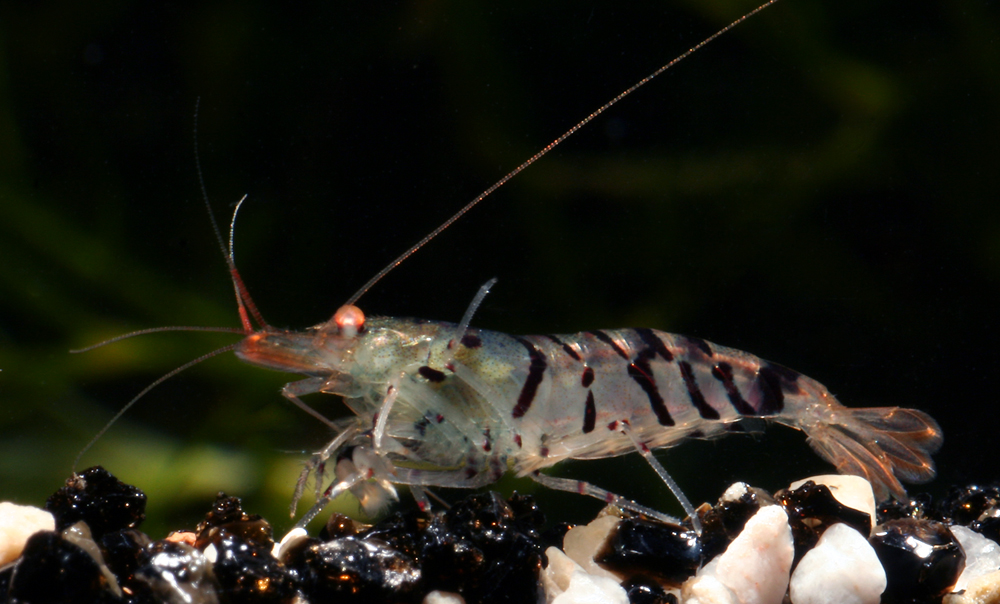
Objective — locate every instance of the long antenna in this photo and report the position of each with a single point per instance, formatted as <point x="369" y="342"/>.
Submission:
<point x="142" y="332"/>
<point x="447" y="223"/>
<point x="136" y="398"/>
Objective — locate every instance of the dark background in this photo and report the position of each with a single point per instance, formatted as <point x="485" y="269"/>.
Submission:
<point x="817" y="188"/>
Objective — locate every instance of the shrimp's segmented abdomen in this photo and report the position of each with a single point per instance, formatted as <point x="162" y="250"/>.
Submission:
<point x="567" y="394"/>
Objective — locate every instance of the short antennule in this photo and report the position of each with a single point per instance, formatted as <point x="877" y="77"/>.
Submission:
<point x="243" y="300"/>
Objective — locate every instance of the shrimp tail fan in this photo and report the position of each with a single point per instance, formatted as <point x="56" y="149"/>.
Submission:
<point x="885" y="445"/>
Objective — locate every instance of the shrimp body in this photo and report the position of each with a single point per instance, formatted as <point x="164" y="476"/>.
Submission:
<point x="468" y="406"/>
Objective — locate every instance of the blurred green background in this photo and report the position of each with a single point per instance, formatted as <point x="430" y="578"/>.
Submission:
<point x="818" y="188"/>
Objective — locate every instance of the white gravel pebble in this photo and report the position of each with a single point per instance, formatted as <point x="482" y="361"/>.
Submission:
<point x="841" y="569"/>
<point x="555" y="576"/>
<point x="982" y="555"/>
<point x="590" y="589"/>
<point x="707" y="590"/>
<point x="443" y="597"/>
<point x="734" y="492"/>
<point x="754" y="567"/>
<point x="984" y="589"/>
<point x="852" y="491"/>
<point x="564" y="581"/>
<point x="757" y="563"/>
<point x="582" y="542"/>
<point x="290" y="540"/>
<point x="79" y="535"/>
<point x="17" y="523"/>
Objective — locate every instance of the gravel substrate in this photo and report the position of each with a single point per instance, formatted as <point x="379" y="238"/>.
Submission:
<point x="813" y="543"/>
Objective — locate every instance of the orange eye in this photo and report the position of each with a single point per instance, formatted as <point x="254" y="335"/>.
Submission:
<point x="349" y="320"/>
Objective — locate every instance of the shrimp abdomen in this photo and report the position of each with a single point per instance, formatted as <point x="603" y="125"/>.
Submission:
<point x="670" y="387"/>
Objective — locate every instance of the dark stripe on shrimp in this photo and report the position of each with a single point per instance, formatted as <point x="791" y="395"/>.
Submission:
<point x="431" y="374"/>
<point x="588" y="377"/>
<point x="789" y="378"/>
<point x="698" y="344"/>
<point x="536" y="369"/>
<point x="566" y="348"/>
<point x="471" y="340"/>
<point x="642" y="373"/>
<point x="724" y="373"/>
<point x="694" y="393"/>
<point x="600" y="335"/>
<point x="589" y="414"/>
<point x="649" y="338"/>
<point x="770" y="384"/>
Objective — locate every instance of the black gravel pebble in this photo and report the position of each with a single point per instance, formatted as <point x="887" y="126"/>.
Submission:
<point x="812" y="509"/>
<point x="5" y="575"/>
<point x="967" y="505"/>
<point x="973" y="506"/>
<point x="123" y="552"/>
<point x="102" y="501"/>
<point x="666" y="551"/>
<point x="643" y="590"/>
<point x="919" y="507"/>
<point x="52" y="569"/>
<point x="485" y="548"/>
<point x="173" y="572"/>
<point x="352" y="570"/>
<point x="399" y="531"/>
<point x="249" y="574"/>
<point x="338" y="525"/>
<point x="922" y="559"/>
<point x="724" y="521"/>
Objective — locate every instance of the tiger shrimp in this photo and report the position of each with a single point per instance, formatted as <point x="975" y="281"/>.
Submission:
<point x="437" y="404"/>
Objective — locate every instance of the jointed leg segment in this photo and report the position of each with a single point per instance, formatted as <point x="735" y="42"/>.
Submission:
<point x="585" y="488"/>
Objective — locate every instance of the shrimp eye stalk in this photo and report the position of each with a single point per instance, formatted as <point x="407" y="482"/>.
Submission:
<point x="349" y="320"/>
